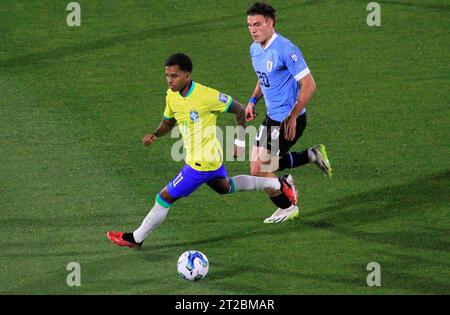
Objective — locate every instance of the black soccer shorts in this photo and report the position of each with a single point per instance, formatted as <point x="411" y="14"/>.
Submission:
<point x="271" y="135"/>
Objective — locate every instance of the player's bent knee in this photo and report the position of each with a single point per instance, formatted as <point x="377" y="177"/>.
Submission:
<point x="255" y="170"/>
<point x="164" y="193"/>
<point x="223" y="191"/>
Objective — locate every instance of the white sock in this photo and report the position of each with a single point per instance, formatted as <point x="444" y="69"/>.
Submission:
<point x="311" y="156"/>
<point x="247" y="182"/>
<point x="153" y="219"/>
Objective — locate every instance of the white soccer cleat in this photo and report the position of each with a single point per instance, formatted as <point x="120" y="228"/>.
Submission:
<point x="321" y="160"/>
<point x="283" y="215"/>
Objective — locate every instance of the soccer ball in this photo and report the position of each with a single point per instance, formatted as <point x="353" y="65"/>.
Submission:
<point x="193" y="265"/>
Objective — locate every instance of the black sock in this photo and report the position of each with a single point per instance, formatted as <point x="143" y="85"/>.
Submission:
<point x="130" y="238"/>
<point x="281" y="201"/>
<point x="293" y="159"/>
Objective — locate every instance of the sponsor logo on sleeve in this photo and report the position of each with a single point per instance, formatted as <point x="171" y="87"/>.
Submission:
<point x="223" y="98"/>
<point x="294" y="57"/>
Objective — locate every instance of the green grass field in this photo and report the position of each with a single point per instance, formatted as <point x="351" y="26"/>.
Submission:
<point x="76" y="101"/>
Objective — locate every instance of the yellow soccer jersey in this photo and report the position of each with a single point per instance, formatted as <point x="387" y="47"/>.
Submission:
<point x="196" y="116"/>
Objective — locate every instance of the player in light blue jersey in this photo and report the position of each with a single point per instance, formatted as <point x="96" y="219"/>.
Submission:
<point x="287" y="85"/>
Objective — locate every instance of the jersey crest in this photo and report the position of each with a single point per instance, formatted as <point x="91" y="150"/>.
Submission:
<point x="194" y="116"/>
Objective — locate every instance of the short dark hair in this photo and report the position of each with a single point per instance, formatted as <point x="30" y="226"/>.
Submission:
<point x="182" y="60"/>
<point x="264" y="9"/>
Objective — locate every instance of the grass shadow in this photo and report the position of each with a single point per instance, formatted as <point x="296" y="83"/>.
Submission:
<point x="404" y="202"/>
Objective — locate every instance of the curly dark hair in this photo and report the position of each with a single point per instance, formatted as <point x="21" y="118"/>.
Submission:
<point x="182" y="60"/>
<point x="264" y="9"/>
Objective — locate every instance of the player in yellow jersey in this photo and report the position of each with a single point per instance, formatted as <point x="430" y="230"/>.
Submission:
<point x="195" y="107"/>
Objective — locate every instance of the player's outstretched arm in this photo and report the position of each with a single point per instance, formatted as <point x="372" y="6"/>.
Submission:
<point x="164" y="127"/>
<point x="239" y="144"/>
<point x="237" y="109"/>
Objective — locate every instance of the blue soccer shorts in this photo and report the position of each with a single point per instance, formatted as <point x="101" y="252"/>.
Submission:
<point x="188" y="180"/>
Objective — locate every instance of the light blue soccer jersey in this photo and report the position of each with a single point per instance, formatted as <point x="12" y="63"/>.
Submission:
<point x="279" y="66"/>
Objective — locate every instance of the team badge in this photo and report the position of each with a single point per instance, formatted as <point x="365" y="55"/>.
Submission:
<point x="223" y="98"/>
<point x="294" y="57"/>
<point x="194" y="116"/>
<point x="269" y="65"/>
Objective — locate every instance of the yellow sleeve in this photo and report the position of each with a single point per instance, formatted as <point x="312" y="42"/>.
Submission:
<point x="217" y="101"/>
<point x="168" y="113"/>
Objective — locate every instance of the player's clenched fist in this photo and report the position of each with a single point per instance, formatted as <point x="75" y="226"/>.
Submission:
<point x="149" y="138"/>
<point x="250" y="113"/>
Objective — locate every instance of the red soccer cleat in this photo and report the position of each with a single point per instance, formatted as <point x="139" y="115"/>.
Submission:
<point x="117" y="238"/>
<point x="288" y="188"/>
